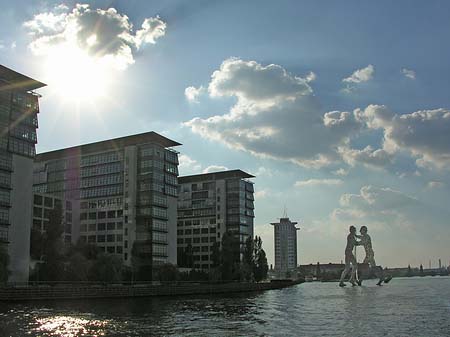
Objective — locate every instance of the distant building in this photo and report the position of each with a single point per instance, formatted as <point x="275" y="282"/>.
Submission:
<point x="210" y="204"/>
<point x="285" y="234"/>
<point x="19" y="107"/>
<point x="124" y="192"/>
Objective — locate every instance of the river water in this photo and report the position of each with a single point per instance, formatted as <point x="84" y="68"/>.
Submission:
<point x="404" y="307"/>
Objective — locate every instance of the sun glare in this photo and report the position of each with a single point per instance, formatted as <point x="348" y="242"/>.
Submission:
<point x="75" y="75"/>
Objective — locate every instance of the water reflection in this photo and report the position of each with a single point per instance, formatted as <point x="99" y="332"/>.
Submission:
<point x="403" y="308"/>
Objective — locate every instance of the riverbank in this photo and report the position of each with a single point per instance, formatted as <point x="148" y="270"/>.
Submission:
<point x="64" y="291"/>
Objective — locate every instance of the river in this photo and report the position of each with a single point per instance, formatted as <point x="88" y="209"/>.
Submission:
<point x="405" y="307"/>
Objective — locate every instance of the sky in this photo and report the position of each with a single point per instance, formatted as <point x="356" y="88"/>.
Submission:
<point x="340" y="109"/>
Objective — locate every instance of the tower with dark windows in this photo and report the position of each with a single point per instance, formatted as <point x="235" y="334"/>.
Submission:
<point x="210" y="204"/>
<point x="19" y="108"/>
<point x="124" y="195"/>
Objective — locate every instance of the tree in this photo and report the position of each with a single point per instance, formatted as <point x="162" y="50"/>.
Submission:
<point x="168" y="273"/>
<point x="141" y="262"/>
<point x="318" y="271"/>
<point x="4" y="264"/>
<point x="248" y="259"/>
<point x="77" y="267"/>
<point x="229" y="263"/>
<point x="216" y="255"/>
<point x="52" y="247"/>
<point x="107" y="268"/>
<point x="189" y="256"/>
<point x="261" y="266"/>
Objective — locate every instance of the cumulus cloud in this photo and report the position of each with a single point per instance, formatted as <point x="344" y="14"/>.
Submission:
<point x="276" y="116"/>
<point x="104" y="34"/>
<point x="192" y="93"/>
<point x="188" y="164"/>
<point x="358" y="76"/>
<point x="361" y="75"/>
<point x="340" y="172"/>
<point x="311" y="77"/>
<point x="408" y="73"/>
<point x="377" y="206"/>
<point x="424" y="134"/>
<point x="368" y="157"/>
<point x="318" y="182"/>
<point x="214" y="168"/>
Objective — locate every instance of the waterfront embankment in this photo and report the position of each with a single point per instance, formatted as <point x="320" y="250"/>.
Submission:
<point x="82" y="291"/>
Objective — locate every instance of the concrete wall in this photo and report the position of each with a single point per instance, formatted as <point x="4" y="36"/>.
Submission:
<point x="20" y="218"/>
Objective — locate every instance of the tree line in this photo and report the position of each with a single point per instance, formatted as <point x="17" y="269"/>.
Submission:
<point x="84" y="262"/>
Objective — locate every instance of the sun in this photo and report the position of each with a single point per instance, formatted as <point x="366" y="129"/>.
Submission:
<point x="75" y="75"/>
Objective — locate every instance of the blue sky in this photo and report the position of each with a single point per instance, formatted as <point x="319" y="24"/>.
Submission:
<point x="338" y="108"/>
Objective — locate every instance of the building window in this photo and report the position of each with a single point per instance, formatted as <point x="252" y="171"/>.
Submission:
<point x="37" y="199"/>
<point x="48" y="202"/>
<point x="101" y="227"/>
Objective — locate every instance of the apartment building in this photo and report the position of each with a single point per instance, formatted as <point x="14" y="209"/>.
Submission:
<point x="210" y="204"/>
<point x="19" y="108"/>
<point x="124" y="192"/>
<point x="285" y="233"/>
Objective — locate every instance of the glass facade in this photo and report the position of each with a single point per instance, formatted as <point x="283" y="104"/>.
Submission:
<point x="118" y="190"/>
<point x="207" y="208"/>
<point x="157" y="173"/>
<point x="18" y="124"/>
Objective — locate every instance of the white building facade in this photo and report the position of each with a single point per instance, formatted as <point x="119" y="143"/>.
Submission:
<point x="285" y="234"/>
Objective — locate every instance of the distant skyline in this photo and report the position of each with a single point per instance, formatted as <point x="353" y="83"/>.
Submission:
<point x="340" y="109"/>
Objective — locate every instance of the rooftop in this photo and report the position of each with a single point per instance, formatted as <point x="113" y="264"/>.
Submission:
<point x="285" y="221"/>
<point x="12" y="80"/>
<point x="105" y="145"/>
<point x="214" y="176"/>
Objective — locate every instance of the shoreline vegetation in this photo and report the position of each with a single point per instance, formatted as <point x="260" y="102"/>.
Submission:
<point x="60" y="291"/>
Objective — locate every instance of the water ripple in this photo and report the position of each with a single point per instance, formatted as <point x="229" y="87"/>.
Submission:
<point x="405" y="307"/>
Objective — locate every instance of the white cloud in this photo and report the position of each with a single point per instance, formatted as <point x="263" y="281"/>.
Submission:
<point x="186" y="163"/>
<point x="263" y="171"/>
<point x="361" y="75"/>
<point x="377" y="207"/>
<point x="192" y="93"/>
<point x="435" y="184"/>
<point x="260" y="194"/>
<point x="106" y="35"/>
<point x="424" y="134"/>
<point x="340" y="172"/>
<point x="368" y="157"/>
<point x="276" y="116"/>
<point x="214" y="168"/>
<point x="318" y="182"/>
<point x="311" y="77"/>
<point x="408" y="73"/>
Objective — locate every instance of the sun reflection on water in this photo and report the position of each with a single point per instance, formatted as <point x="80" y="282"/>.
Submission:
<point x="70" y="326"/>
